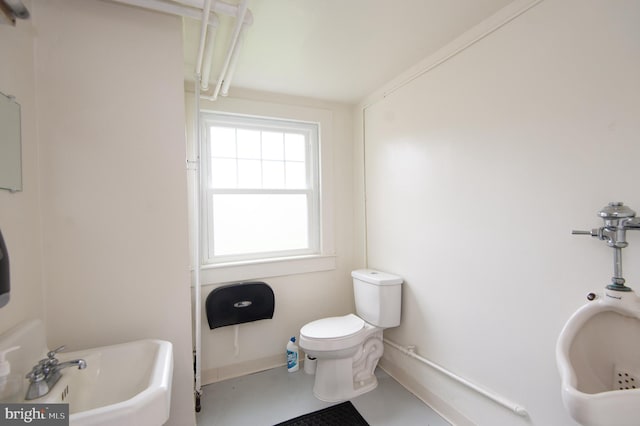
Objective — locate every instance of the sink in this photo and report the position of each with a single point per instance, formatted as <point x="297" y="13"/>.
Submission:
<point x="123" y="384"/>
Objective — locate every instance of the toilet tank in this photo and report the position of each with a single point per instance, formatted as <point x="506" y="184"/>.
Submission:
<point x="378" y="297"/>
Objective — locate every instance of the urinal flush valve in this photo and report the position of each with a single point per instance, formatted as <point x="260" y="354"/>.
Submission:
<point x="618" y="219"/>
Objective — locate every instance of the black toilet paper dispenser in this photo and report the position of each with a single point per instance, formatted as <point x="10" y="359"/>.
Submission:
<point x="239" y="303"/>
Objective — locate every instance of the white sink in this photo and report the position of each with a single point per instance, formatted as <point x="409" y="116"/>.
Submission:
<point x="124" y="384"/>
<point x="127" y="384"/>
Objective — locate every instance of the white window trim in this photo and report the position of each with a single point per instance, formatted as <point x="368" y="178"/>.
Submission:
<point x="266" y="268"/>
<point x="312" y="193"/>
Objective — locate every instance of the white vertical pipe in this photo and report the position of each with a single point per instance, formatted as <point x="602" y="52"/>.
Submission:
<point x="519" y="410"/>
<point x="198" y="133"/>
<point x="364" y="188"/>
<point x="242" y="11"/>
<point x="197" y="284"/>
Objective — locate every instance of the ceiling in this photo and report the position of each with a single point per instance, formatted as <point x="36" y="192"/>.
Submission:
<point x="338" y="50"/>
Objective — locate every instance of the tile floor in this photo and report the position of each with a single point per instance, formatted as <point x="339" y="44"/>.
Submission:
<point x="273" y="396"/>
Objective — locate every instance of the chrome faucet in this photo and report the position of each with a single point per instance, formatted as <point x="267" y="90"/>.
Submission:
<point x="46" y="374"/>
<point x="618" y="219"/>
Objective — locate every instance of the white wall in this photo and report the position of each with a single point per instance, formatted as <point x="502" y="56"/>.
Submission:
<point x="476" y="173"/>
<point x="19" y="212"/>
<point x="114" y="200"/>
<point x="300" y="297"/>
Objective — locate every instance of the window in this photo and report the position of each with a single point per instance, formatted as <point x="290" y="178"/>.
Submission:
<point x="261" y="193"/>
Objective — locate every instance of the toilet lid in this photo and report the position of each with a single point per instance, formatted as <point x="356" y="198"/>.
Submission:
<point x="333" y="327"/>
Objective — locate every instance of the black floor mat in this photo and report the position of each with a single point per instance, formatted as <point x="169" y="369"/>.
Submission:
<point x="344" y="414"/>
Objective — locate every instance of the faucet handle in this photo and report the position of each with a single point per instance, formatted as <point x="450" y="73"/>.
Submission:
<point x="52" y="354"/>
<point x="593" y="232"/>
<point x="632" y="223"/>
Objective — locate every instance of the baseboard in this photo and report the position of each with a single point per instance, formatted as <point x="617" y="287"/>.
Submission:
<point x="438" y="405"/>
<point x="219" y="374"/>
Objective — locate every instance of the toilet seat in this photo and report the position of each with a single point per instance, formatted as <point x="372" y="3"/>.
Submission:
<point x="333" y="333"/>
<point x="333" y="327"/>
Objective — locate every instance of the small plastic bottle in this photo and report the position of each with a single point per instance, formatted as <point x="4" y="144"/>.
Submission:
<point x="10" y="384"/>
<point x="292" y="356"/>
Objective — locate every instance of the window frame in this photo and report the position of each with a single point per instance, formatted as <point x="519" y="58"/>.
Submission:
<point x="311" y="132"/>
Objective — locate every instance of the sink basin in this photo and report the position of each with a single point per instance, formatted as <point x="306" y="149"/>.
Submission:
<point x="126" y="384"/>
<point x="123" y="384"/>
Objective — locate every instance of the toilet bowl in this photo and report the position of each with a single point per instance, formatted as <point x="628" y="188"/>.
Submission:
<point x="347" y="348"/>
<point x="598" y="357"/>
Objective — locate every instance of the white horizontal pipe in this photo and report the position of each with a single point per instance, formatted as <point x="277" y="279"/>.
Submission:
<point x="172" y="9"/>
<point x="224" y="89"/>
<point x="519" y="410"/>
<point x="220" y="7"/>
<point x="242" y="10"/>
<point x="208" y="58"/>
<point x="203" y="36"/>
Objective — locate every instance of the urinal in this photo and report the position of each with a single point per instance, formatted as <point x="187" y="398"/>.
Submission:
<point x="598" y="350"/>
<point x="598" y="356"/>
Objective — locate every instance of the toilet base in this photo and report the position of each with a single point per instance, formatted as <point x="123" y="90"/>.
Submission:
<point x="343" y="379"/>
<point x="334" y="381"/>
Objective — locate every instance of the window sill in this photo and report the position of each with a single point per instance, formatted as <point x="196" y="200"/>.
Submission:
<point x="251" y="270"/>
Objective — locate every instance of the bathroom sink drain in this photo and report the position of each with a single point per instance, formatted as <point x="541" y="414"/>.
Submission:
<point x="625" y="379"/>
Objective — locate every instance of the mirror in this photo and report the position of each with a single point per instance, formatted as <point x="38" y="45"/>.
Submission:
<point x="10" y="145"/>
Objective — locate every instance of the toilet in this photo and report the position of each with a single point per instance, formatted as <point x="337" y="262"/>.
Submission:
<point x="348" y="348"/>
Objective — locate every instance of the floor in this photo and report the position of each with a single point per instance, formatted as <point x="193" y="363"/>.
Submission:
<point x="273" y="396"/>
